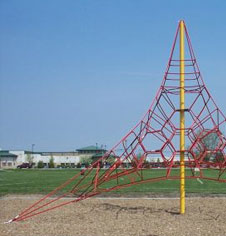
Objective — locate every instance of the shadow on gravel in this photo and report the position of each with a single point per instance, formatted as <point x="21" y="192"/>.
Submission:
<point x="132" y="210"/>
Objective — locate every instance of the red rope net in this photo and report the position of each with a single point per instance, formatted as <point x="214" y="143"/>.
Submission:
<point x="156" y="136"/>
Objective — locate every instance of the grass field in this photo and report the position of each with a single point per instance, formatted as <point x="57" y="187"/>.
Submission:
<point x="35" y="181"/>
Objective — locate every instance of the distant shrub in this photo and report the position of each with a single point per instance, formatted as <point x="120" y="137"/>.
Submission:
<point x="40" y="164"/>
<point x="79" y="165"/>
<point x="72" y="165"/>
<point x="87" y="164"/>
<point x="51" y="162"/>
<point x="62" y="165"/>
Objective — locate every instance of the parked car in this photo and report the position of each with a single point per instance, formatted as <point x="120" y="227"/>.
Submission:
<point x="24" y="165"/>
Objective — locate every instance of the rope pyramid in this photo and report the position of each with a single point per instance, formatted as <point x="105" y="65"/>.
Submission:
<point x="156" y="136"/>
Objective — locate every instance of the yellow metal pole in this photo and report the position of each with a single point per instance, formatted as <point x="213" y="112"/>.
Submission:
<point x="182" y="121"/>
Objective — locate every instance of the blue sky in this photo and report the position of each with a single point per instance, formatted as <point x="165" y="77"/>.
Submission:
<point x="77" y="73"/>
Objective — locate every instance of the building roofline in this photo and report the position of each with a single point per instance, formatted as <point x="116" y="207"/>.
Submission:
<point x="91" y="148"/>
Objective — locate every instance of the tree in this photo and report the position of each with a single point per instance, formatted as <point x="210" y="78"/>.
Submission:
<point x="40" y="164"/>
<point x="219" y="157"/>
<point x="51" y="162"/>
<point x="86" y="160"/>
<point x="139" y="155"/>
<point x="29" y="158"/>
<point x="78" y="165"/>
<point x="146" y="164"/>
<point x="208" y="141"/>
<point x="111" y="160"/>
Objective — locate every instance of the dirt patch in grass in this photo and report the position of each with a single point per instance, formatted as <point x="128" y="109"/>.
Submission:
<point x="103" y="217"/>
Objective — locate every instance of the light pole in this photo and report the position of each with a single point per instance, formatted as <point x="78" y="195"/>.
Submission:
<point x="32" y="150"/>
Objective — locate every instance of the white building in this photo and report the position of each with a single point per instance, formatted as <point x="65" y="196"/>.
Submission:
<point x="7" y="159"/>
<point x="13" y="158"/>
<point x="60" y="158"/>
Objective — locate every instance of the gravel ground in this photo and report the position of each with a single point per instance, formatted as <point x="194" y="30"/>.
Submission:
<point x="118" y="217"/>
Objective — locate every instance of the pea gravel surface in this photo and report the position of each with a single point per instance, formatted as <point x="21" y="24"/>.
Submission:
<point x="118" y="217"/>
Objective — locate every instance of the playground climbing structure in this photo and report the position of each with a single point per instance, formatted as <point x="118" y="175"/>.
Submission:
<point x="182" y="108"/>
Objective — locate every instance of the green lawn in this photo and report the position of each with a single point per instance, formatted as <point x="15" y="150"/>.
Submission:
<point x="34" y="181"/>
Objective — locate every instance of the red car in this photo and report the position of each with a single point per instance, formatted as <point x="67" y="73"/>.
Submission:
<point x="24" y="165"/>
